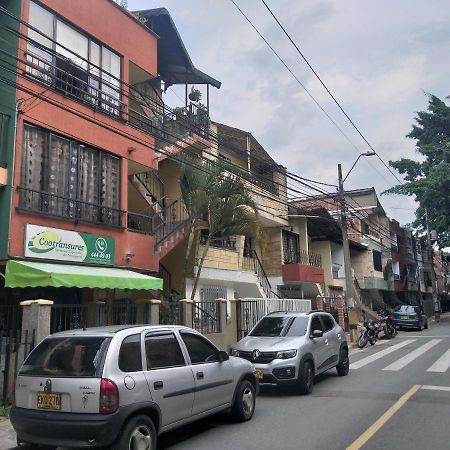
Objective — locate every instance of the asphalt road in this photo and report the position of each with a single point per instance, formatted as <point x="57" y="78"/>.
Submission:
<point x="389" y="400"/>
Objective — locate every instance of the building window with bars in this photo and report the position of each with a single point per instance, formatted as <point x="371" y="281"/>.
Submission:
<point x="377" y="264"/>
<point x="291" y="247"/>
<point x="65" y="178"/>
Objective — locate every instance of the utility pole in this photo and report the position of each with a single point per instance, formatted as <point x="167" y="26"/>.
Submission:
<point x="349" y="285"/>
<point x="436" y="306"/>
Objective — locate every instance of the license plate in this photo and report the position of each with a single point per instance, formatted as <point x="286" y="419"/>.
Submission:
<point x="49" y="401"/>
<point x="260" y="374"/>
<point x="404" y="317"/>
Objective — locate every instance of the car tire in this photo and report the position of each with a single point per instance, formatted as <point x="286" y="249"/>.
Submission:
<point x="306" y="378"/>
<point x="138" y="429"/>
<point x="426" y="325"/>
<point x="244" y="402"/>
<point x="420" y="327"/>
<point x="344" y="363"/>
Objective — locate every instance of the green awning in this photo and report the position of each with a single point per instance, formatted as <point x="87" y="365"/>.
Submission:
<point x="20" y="274"/>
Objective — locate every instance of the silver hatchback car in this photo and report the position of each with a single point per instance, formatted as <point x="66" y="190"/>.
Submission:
<point x="119" y="387"/>
<point x="289" y="348"/>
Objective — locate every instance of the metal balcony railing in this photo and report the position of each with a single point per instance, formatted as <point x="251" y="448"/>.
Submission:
<point x="68" y="208"/>
<point x="224" y="244"/>
<point x="139" y="223"/>
<point x="104" y="94"/>
<point x="303" y="257"/>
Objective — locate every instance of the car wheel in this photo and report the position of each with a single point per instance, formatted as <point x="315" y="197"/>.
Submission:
<point x="344" y="363"/>
<point x="244" y="402"/>
<point x="426" y="325"/>
<point x="139" y="433"/>
<point x="306" y="378"/>
<point x="420" y="327"/>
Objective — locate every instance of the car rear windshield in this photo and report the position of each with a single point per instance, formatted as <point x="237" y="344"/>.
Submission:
<point x="67" y="357"/>
<point x="281" y="326"/>
<point x="406" y="309"/>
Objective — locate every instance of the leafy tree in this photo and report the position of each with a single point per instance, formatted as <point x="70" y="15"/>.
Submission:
<point x="428" y="180"/>
<point x="218" y="202"/>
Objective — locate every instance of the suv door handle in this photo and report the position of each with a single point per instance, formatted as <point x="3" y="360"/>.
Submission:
<point x="200" y="375"/>
<point x="158" y="385"/>
<point x="326" y="341"/>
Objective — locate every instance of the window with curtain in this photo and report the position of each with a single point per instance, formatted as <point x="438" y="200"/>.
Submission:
<point x="90" y="71"/>
<point x="68" y="179"/>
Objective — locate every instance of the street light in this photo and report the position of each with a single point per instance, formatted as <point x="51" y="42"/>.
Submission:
<point x="350" y="288"/>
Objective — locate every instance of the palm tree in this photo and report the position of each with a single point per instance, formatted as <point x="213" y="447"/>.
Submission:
<point x="218" y="201"/>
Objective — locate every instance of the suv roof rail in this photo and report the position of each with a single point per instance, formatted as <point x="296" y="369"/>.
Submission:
<point x="278" y="312"/>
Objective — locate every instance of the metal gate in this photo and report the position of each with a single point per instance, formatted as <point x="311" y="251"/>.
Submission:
<point x="14" y="347"/>
<point x="250" y="311"/>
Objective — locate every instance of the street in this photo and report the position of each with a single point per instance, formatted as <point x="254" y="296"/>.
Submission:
<point x="396" y="396"/>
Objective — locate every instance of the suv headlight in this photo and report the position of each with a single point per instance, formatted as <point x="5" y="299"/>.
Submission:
<point x="286" y="354"/>
<point x="234" y="352"/>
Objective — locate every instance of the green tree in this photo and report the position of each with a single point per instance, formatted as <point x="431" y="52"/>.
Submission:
<point x="428" y="180"/>
<point x="218" y="202"/>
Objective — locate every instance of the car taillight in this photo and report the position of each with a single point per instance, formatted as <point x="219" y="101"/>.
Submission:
<point x="109" y="397"/>
<point x="13" y="390"/>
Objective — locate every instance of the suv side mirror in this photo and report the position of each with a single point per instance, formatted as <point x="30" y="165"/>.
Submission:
<point x="222" y="356"/>
<point x="317" y="334"/>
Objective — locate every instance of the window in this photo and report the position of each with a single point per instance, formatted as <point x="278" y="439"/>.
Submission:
<point x="199" y="349"/>
<point x="77" y="72"/>
<point x="248" y="247"/>
<point x="290" y="247"/>
<point x="67" y="357"/>
<point x="68" y="179"/>
<point x="365" y="229"/>
<point x="162" y="350"/>
<point x="316" y="324"/>
<point x="130" y="358"/>
<point x="327" y="323"/>
<point x="377" y="264"/>
<point x="297" y="327"/>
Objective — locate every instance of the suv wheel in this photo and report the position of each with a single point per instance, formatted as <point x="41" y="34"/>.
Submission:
<point x="306" y="378"/>
<point x="344" y="364"/>
<point x="244" y="402"/>
<point x="138" y="434"/>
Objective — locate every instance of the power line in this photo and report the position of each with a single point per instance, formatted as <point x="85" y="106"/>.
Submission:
<point x="329" y="92"/>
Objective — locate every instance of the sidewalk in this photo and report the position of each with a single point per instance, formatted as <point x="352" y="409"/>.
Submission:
<point x="7" y="435"/>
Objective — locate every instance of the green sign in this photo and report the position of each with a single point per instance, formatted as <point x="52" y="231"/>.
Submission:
<point x="65" y="245"/>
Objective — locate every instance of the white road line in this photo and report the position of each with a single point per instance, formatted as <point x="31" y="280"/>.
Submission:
<point x="442" y="364"/>
<point x="435" y="388"/>
<point x="364" y="361"/>
<point x="402" y="362"/>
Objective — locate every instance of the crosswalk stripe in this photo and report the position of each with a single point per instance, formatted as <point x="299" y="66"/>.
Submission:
<point x="402" y="362"/>
<point x="442" y="364"/>
<point x="364" y="361"/>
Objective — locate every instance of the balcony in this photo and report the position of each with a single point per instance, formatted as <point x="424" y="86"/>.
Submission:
<point x="223" y="244"/>
<point x="75" y="82"/>
<point x="53" y="205"/>
<point x="303" y="267"/>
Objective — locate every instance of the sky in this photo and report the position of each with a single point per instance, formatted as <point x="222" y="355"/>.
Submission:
<point x="379" y="59"/>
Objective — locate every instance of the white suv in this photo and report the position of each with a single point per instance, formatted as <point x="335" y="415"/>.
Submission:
<point x="289" y="348"/>
<point x="119" y="387"/>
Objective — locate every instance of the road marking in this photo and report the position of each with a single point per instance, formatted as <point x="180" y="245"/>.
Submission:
<point x="362" y="440"/>
<point x="364" y="361"/>
<point x="442" y="364"/>
<point x="402" y="362"/>
<point x="436" y="388"/>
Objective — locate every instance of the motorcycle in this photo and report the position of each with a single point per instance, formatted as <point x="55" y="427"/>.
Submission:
<point x="369" y="333"/>
<point x="387" y="325"/>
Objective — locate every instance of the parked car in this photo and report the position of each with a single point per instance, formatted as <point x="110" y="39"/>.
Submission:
<point x="120" y="387"/>
<point x="407" y="316"/>
<point x="290" y="348"/>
